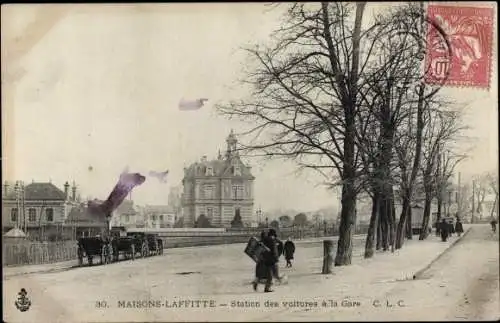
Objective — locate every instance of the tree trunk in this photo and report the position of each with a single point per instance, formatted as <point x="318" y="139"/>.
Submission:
<point x="392" y="221"/>
<point x="427" y="215"/>
<point x="372" y="229"/>
<point x="349" y="93"/>
<point x="385" y="224"/>
<point x="346" y="230"/>
<point x="439" y="214"/>
<point x="409" y="231"/>
<point x="416" y="163"/>
<point x="379" y="234"/>
<point x="404" y="215"/>
<point x="327" y="256"/>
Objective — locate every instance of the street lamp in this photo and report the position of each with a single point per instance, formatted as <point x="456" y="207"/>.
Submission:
<point x="16" y="190"/>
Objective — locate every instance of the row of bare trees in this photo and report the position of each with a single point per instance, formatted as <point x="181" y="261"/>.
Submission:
<point x="344" y="95"/>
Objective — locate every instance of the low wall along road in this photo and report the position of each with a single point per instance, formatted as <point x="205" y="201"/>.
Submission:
<point x="17" y="253"/>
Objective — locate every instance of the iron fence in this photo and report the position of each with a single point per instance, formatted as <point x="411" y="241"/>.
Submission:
<point x="37" y="253"/>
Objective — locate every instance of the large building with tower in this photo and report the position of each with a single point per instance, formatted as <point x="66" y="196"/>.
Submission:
<point x="219" y="189"/>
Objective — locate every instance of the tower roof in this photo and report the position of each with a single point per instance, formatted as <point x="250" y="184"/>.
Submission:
<point x="231" y="137"/>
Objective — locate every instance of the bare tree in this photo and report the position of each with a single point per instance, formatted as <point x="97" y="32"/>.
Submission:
<point x="305" y="99"/>
<point x="395" y="91"/>
<point x="485" y="184"/>
<point x="444" y="126"/>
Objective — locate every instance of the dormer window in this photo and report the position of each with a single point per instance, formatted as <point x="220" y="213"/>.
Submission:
<point x="209" y="171"/>
<point x="236" y="171"/>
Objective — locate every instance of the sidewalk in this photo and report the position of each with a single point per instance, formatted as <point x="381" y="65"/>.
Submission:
<point x="360" y="291"/>
<point x="33" y="269"/>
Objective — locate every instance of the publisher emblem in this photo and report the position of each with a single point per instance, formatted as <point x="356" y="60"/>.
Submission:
<point x="23" y="303"/>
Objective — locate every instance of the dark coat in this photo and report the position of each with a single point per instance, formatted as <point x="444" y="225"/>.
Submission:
<point x="458" y="227"/>
<point x="271" y="256"/>
<point x="444" y="228"/>
<point x="289" y="249"/>
<point x="280" y="247"/>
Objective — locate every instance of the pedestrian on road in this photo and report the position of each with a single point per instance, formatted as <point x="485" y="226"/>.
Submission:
<point x="270" y="258"/>
<point x="279" y="247"/>
<point x="451" y="227"/>
<point x="443" y="229"/>
<point x="459" y="229"/>
<point x="437" y="224"/>
<point x="261" y="272"/>
<point x="289" y="250"/>
<point x="493" y="225"/>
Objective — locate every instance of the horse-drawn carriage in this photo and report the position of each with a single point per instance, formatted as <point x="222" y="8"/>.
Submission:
<point x="90" y="247"/>
<point x="149" y="244"/>
<point x="155" y="244"/>
<point x="125" y="246"/>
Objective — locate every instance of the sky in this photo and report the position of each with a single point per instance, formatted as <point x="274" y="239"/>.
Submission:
<point x="99" y="85"/>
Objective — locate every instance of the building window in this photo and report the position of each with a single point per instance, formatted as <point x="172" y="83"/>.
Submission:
<point x="49" y="214"/>
<point x="209" y="191"/>
<point x="210" y="171"/>
<point x="154" y="218"/>
<point x="161" y="218"/>
<point x="210" y="213"/>
<point x="237" y="192"/>
<point x="13" y="214"/>
<point x="236" y="171"/>
<point x="32" y="215"/>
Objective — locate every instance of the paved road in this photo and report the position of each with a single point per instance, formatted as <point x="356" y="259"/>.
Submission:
<point x="460" y="285"/>
<point x="201" y="272"/>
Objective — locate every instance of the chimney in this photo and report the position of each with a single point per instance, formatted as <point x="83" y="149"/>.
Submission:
<point x="66" y="190"/>
<point x="73" y="191"/>
<point x="203" y="159"/>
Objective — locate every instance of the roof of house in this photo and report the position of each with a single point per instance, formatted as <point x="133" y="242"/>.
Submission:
<point x="221" y="167"/>
<point x="158" y="209"/>
<point x="40" y="191"/>
<point x="86" y="214"/>
<point x="126" y="207"/>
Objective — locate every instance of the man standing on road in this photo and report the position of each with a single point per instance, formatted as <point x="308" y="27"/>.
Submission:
<point x="443" y="229"/>
<point x="270" y="258"/>
<point x="279" y="248"/>
<point x="493" y="225"/>
<point x="289" y="249"/>
<point x="261" y="270"/>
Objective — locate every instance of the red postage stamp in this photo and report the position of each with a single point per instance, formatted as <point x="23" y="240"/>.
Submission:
<point x="469" y="35"/>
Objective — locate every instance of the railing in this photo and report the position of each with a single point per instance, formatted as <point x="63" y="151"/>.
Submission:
<point x="36" y="253"/>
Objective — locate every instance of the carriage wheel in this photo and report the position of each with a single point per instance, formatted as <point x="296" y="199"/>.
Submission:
<point x="110" y="254"/>
<point x="104" y="255"/>
<point x="80" y="258"/>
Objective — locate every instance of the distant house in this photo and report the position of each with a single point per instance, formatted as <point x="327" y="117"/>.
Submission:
<point x="159" y="216"/>
<point x="39" y="207"/>
<point x="218" y="189"/>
